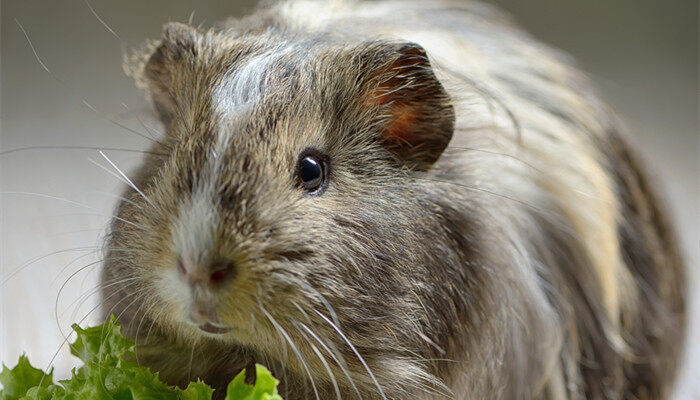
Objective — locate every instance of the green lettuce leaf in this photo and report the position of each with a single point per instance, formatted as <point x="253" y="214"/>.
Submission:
<point x="22" y="377"/>
<point x="265" y="387"/>
<point x="108" y="375"/>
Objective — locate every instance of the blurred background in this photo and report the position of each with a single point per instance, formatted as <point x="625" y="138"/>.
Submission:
<point x="55" y="203"/>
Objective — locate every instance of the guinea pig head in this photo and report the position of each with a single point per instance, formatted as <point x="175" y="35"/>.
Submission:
<point x="282" y="211"/>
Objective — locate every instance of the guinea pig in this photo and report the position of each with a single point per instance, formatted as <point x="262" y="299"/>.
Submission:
<point x="391" y="200"/>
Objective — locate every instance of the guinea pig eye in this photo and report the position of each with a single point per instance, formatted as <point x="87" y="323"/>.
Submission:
<point x="311" y="170"/>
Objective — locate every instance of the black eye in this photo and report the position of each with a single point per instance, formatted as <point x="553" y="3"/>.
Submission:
<point x="312" y="172"/>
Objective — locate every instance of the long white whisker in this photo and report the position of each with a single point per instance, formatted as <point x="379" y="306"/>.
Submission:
<point x="119" y="124"/>
<point x="189" y="370"/>
<point x="320" y="356"/>
<point x="148" y="129"/>
<point x="65" y="340"/>
<point x="323" y="299"/>
<point x="98" y="212"/>
<point x="62" y="147"/>
<point x="114" y="196"/>
<point x="342" y="365"/>
<point x="71" y="232"/>
<point x="48" y="196"/>
<point x="92" y="10"/>
<point x="138" y="328"/>
<point x="65" y="267"/>
<point x="31" y="46"/>
<point x="113" y="249"/>
<point x="127" y="179"/>
<point x="330" y="348"/>
<point x="153" y="322"/>
<point x="58" y="296"/>
<point x="65" y="86"/>
<point x="35" y="259"/>
<point x="296" y="351"/>
<point x="107" y="298"/>
<point x="80" y="300"/>
<point x="114" y="174"/>
<point x="354" y="350"/>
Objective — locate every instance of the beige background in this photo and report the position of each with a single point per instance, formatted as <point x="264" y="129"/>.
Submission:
<point x="643" y="54"/>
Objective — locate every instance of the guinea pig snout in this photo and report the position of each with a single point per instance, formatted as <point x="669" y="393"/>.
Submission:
<point x="216" y="272"/>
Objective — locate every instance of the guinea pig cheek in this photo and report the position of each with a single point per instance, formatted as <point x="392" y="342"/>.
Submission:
<point x="174" y="293"/>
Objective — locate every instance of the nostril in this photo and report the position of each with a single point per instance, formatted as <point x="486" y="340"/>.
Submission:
<point x="222" y="270"/>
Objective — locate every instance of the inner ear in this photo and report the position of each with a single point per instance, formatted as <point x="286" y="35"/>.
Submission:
<point x="415" y="113"/>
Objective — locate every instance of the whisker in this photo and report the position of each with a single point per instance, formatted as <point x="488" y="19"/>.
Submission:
<point x="75" y="231"/>
<point x="65" y="267"/>
<point x="92" y="10"/>
<point x="330" y="348"/>
<point x="48" y="196"/>
<point x="354" y="350"/>
<point x="92" y="291"/>
<point x="109" y="171"/>
<point x="58" y="296"/>
<point x="119" y="124"/>
<point x="31" y="46"/>
<point x="80" y="300"/>
<point x="495" y="153"/>
<point x="136" y="335"/>
<point x="138" y="328"/>
<point x="130" y="304"/>
<point x="154" y="319"/>
<point x="320" y="356"/>
<point x="127" y="179"/>
<point x="151" y="130"/>
<point x="107" y="298"/>
<point x="482" y="190"/>
<point x="488" y="95"/>
<point x="342" y="365"/>
<point x="65" y="340"/>
<point x="148" y="128"/>
<point x="62" y="147"/>
<point x="322" y="298"/>
<point x="67" y="87"/>
<point x="296" y="351"/>
<point x="32" y="261"/>
<point x="98" y="212"/>
<point x="114" y="196"/>
<point x="189" y="370"/>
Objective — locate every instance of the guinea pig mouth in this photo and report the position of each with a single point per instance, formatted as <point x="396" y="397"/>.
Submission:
<point x="216" y="330"/>
<point x="200" y="318"/>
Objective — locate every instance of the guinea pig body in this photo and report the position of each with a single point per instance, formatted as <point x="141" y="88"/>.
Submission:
<point x="391" y="200"/>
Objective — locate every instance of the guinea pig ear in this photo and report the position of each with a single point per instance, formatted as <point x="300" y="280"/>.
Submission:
<point x="178" y="46"/>
<point x="416" y="114"/>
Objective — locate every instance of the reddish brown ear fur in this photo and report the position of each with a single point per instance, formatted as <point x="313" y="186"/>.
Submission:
<point x="416" y="113"/>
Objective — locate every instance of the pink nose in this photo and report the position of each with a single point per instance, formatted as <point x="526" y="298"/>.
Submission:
<point x="217" y="272"/>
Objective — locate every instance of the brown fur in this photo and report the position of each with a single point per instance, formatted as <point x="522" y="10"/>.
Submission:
<point x="485" y="231"/>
